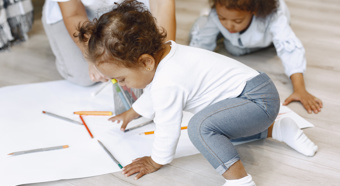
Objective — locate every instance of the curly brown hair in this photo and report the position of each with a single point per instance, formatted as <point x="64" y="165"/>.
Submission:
<point x="123" y="34"/>
<point x="262" y="8"/>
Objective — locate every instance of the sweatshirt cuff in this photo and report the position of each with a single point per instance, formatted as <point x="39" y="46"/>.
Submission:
<point x="161" y="161"/>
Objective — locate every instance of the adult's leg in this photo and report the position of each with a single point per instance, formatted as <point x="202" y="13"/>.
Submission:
<point x="69" y="60"/>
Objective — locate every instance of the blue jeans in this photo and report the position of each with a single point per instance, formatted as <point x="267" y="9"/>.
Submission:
<point x="244" y="118"/>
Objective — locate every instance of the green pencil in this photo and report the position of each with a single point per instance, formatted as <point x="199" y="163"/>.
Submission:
<point x="108" y="152"/>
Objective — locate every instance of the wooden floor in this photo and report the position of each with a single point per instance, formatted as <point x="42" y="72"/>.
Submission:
<point x="315" y="22"/>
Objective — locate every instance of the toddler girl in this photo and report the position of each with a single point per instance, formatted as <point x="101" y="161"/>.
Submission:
<point x="230" y="100"/>
<point x="250" y="25"/>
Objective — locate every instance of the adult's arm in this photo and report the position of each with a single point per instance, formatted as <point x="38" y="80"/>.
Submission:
<point x="164" y="12"/>
<point x="74" y="13"/>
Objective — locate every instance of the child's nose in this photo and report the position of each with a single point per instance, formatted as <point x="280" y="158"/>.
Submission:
<point x="229" y="26"/>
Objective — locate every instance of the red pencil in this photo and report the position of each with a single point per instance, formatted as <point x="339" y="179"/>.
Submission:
<point x="88" y="130"/>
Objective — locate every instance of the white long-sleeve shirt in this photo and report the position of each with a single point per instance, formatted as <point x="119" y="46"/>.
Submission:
<point x="189" y="79"/>
<point x="274" y="29"/>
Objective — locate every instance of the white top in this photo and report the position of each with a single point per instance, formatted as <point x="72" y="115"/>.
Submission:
<point x="274" y="28"/>
<point x="94" y="8"/>
<point x="189" y="79"/>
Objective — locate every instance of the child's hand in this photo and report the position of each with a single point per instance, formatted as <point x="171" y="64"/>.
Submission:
<point x="142" y="166"/>
<point x="310" y="102"/>
<point x="126" y="117"/>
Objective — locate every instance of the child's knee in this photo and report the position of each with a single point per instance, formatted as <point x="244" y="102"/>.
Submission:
<point x="198" y="126"/>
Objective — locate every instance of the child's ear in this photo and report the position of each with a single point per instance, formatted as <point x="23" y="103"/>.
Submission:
<point x="147" y="62"/>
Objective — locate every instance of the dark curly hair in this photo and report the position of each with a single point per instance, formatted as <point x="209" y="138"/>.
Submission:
<point x="262" y="8"/>
<point x="123" y="34"/>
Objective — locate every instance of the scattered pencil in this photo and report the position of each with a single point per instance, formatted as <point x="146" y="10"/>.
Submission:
<point x="152" y="132"/>
<point x="94" y="113"/>
<point x="38" y="150"/>
<point x="138" y="126"/>
<point x="88" y="130"/>
<point x="109" y="153"/>
<point x="101" y="87"/>
<point x="61" y="117"/>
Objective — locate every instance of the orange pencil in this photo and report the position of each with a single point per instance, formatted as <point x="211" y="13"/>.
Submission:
<point x="152" y="132"/>
<point x="94" y="113"/>
<point x="88" y="130"/>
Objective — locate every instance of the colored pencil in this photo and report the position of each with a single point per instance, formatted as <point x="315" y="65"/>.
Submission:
<point x="61" y="117"/>
<point x="101" y="87"/>
<point x="88" y="130"/>
<point x="121" y="94"/>
<point x="152" y="132"/>
<point x="109" y="153"/>
<point x="138" y="126"/>
<point x="94" y="113"/>
<point x="134" y="97"/>
<point x="38" y="150"/>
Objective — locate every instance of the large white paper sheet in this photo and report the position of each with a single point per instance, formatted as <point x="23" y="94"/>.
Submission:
<point x="23" y="126"/>
<point x="287" y="112"/>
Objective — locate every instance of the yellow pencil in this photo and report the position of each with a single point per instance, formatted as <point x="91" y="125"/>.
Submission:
<point x="152" y="132"/>
<point x="94" y="113"/>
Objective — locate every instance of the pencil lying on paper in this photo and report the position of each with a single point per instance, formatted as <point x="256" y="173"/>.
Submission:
<point x="152" y="132"/>
<point x="109" y="153"/>
<point x="94" y="113"/>
<point x="138" y="126"/>
<point x="88" y="130"/>
<point x="101" y="87"/>
<point x="38" y="150"/>
<point x="61" y="117"/>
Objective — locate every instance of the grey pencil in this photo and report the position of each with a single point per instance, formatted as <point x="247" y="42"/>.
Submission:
<point x="101" y="87"/>
<point x="61" y="117"/>
<point x="138" y="126"/>
<point x="39" y="150"/>
<point x="109" y="153"/>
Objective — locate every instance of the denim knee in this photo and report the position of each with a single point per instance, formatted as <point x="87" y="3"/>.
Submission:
<point x="196" y="128"/>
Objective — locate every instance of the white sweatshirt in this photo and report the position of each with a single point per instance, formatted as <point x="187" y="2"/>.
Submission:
<point x="189" y="79"/>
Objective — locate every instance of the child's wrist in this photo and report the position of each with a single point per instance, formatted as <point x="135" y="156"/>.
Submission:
<point x="156" y="165"/>
<point x="133" y="114"/>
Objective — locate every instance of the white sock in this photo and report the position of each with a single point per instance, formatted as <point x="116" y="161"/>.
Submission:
<point x="245" y="181"/>
<point x="286" y="130"/>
